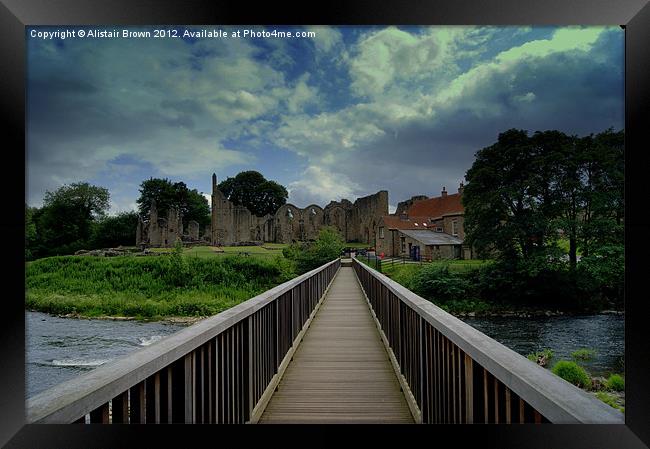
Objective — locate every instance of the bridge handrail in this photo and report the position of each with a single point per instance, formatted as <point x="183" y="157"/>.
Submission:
<point x="549" y="395"/>
<point x="91" y="392"/>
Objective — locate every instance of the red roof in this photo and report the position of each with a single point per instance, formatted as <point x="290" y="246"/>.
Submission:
<point x="395" y="222"/>
<point x="437" y="207"/>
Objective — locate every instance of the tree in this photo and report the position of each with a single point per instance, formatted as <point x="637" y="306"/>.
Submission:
<point x="115" y="230"/>
<point x="505" y="198"/>
<point x="522" y="190"/>
<point x="251" y="190"/>
<point x="30" y="232"/>
<point x="64" y="223"/>
<point x="190" y="203"/>
<point x="602" y="191"/>
<point x="309" y="255"/>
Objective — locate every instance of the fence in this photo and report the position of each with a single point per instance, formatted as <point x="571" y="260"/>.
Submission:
<point x="220" y="370"/>
<point x="452" y="373"/>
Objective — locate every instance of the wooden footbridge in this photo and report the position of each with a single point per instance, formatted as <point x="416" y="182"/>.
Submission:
<point x="340" y="344"/>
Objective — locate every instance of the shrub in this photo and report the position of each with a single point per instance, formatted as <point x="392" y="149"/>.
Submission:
<point x="308" y="256"/>
<point x="546" y="353"/>
<point x="603" y="272"/>
<point x="438" y="284"/>
<point x="615" y="382"/>
<point x="583" y="354"/>
<point x="572" y="373"/>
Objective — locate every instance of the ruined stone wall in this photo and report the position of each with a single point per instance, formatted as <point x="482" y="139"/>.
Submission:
<point x="403" y="206"/>
<point x="222" y="226"/>
<point x="241" y="224"/>
<point x="261" y="228"/>
<point x="313" y="218"/>
<point x="335" y="215"/>
<point x="364" y="216"/>
<point x="287" y="224"/>
<point x="193" y="230"/>
<point x="159" y="232"/>
<point x="355" y="221"/>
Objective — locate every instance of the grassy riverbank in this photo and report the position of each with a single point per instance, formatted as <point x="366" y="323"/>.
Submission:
<point x="610" y="389"/>
<point x="267" y="251"/>
<point x="484" y="287"/>
<point x="149" y="287"/>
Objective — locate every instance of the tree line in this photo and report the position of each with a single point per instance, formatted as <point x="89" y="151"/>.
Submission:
<point x="75" y="216"/>
<point x="537" y="203"/>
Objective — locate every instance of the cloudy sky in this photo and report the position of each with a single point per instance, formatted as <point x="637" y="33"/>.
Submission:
<point x="343" y="114"/>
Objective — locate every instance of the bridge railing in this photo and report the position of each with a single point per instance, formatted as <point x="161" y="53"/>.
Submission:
<point x="452" y="373"/>
<point x="220" y="370"/>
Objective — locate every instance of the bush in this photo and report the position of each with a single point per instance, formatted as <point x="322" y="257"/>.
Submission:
<point x="310" y="255"/>
<point x="603" y="273"/>
<point x="546" y="353"/>
<point x="572" y="373"/>
<point x="615" y="382"/>
<point x="583" y="354"/>
<point x="439" y="285"/>
<point x="537" y="282"/>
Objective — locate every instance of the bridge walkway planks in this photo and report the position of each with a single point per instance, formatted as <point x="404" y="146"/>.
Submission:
<point x="341" y="372"/>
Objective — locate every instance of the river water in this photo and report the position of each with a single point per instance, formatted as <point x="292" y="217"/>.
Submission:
<point x="59" y="349"/>
<point x="562" y="334"/>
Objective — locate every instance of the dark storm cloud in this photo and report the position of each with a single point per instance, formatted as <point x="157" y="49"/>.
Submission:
<point x="576" y="92"/>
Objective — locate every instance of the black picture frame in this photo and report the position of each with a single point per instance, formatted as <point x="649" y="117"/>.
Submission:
<point x="633" y="15"/>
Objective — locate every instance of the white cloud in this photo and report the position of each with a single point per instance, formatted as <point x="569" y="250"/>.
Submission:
<point x="327" y="38"/>
<point x="303" y="94"/>
<point x="320" y="186"/>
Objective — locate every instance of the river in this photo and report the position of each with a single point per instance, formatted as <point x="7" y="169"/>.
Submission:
<point x="562" y="334"/>
<point x="60" y="348"/>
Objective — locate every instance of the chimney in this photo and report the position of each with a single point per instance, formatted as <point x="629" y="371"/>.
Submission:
<point x="460" y="187"/>
<point x="214" y="181"/>
<point x="444" y="192"/>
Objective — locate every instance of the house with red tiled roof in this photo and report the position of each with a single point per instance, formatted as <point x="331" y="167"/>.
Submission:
<point x="425" y="228"/>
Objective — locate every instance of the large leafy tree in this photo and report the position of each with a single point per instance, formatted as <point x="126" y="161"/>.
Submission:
<point x="256" y="193"/>
<point x="601" y="218"/>
<point x="115" y="230"/>
<point x="523" y="189"/>
<point x="190" y="202"/>
<point x="64" y="224"/>
<point x="504" y="198"/>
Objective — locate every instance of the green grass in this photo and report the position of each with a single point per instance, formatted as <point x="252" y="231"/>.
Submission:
<point x="546" y="353"/>
<point x="356" y="245"/>
<point x="615" y="382"/>
<point x="455" y="266"/>
<point x="405" y="274"/>
<point x="609" y="399"/>
<point x="572" y="373"/>
<point x="148" y="287"/>
<point x="268" y="251"/>
<point x="583" y="354"/>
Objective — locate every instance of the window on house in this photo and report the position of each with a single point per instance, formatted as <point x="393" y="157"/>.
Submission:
<point x="403" y="242"/>
<point x="381" y="232"/>
<point x="454" y="227"/>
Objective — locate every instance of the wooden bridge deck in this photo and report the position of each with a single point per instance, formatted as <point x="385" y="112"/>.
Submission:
<point x="341" y="372"/>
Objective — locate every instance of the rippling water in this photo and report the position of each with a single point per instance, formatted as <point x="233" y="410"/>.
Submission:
<point x="61" y="348"/>
<point x="563" y="334"/>
<point x="58" y="349"/>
